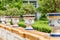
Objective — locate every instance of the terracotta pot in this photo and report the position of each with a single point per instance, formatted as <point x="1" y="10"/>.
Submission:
<point x="7" y="20"/>
<point x="15" y="20"/>
<point x="29" y="20"/>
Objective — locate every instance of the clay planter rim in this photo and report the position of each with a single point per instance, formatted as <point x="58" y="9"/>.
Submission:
<point x="12" y="16"/>
<point x="53" y="14"/>
<point x="15" y="16"/>
<point x="7" y="16"/>
<point x="28" y="15"/>
<point x="2" y="16"/>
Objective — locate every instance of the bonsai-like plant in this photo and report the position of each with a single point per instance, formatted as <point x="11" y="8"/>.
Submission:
<point x="49" y="6"/>
<point x="12" y="12"/>
<point x="28" y="9"/>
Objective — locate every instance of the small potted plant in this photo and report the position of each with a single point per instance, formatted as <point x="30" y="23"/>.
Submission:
<point x="52" y="7"/>
<point x="2" y="17"/>
<point x="28" y="10"/>
<point x="15" y="15"/>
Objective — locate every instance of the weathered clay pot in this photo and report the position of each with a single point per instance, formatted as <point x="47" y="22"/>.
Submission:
<point x="15" y="20"/>
<point x="29" y="20"/>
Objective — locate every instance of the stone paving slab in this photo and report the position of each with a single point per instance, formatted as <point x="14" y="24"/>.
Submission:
<point x="1" y="38"/>
<point x="54" y="38"/>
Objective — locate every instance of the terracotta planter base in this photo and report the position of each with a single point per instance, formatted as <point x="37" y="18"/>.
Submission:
<point x="15" y="26"/>
<point x="8" y="24"/>
<point x="55" y="34"/>
<point x="29" y="29"/>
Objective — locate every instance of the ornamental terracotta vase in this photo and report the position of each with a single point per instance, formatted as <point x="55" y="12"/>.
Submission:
<point x="7" y="20"/>
<point x="15" y="20"/>
<point x="54" y="22"/>
<point x="29" y="20"/>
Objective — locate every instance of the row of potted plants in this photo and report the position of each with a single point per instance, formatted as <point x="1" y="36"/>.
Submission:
<point x="14" y="13"/>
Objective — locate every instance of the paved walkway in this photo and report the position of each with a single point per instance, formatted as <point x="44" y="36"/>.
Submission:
<point x="1" y="38"/>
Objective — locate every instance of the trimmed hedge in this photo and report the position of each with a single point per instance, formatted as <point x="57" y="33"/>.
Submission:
<point x="42" y="26"/>
<point x="39" y="25"/>
<point x="22" y="24"/>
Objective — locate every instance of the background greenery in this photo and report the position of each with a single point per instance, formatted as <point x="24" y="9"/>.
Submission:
<point x="8" y="7"/>
<point x="48" y="6"/>
<point x="28" y="9"/>
<point x="5" y="4"/>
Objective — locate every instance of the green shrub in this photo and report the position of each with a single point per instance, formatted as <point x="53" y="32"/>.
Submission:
<point x="41" y="26"/>
<point x="21" y="24"/>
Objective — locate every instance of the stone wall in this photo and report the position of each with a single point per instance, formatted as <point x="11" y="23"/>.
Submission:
<point x="10" y="33"/>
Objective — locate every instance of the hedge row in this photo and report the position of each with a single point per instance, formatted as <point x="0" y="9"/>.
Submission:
<point x="39" y="25"/>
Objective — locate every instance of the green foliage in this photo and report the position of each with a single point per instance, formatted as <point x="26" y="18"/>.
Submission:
<point x="28" y="9"/>
<point x="48" y="6"/>
<point x="2" y="13"/>
<point x="2" y="3"/>
<point x="41" y="26"/>
<point x="12" y="12"/>
<point x="16" y="3"/>
<point x="6" y="4"/>
<point x="21" y="24"/>
<point x="10" y="7"/>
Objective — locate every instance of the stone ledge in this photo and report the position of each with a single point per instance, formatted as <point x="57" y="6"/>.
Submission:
<point x="29" y="34"/>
